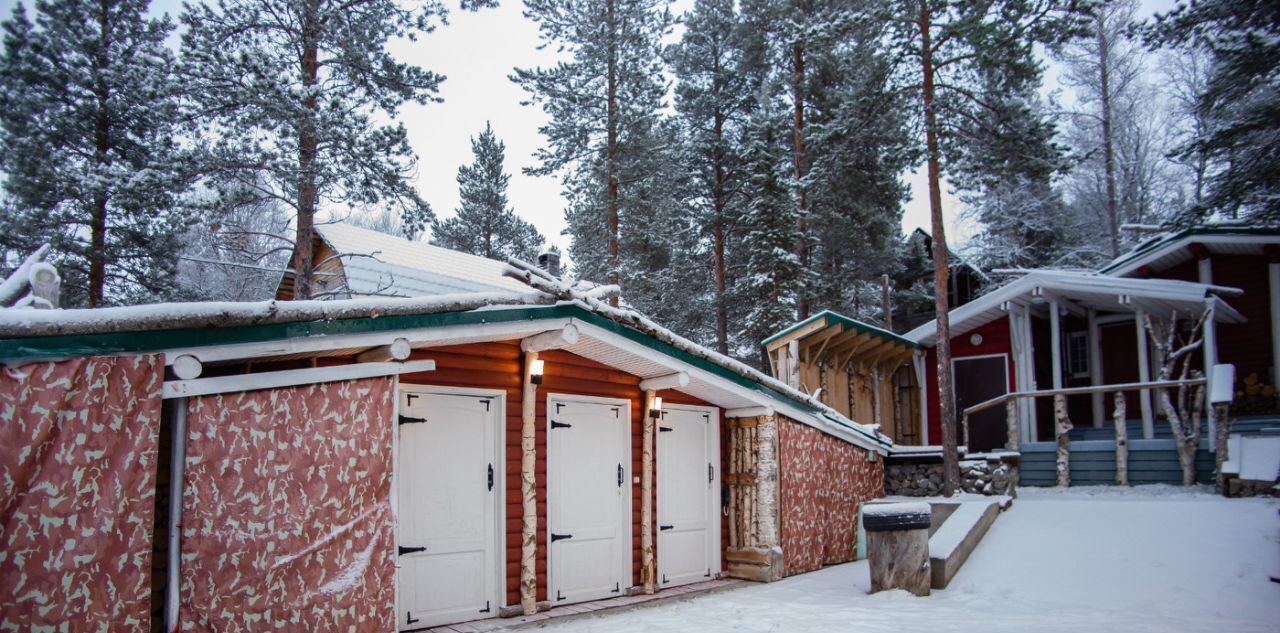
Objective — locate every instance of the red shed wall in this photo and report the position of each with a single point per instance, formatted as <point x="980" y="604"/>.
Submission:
<point x="995" y="340"/>
<point x="822" y="481"/>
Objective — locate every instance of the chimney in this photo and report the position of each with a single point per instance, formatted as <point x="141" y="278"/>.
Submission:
<point x="549" y="260"/>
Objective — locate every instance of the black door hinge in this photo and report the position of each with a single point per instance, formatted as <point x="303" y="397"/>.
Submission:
<point x="559" y="405"/>
<point x="617" y="588"/>
<point x="408" y="617"/>
<point x="409" y="550"/>
<point x="560" y="425"/>
<point x="664" y="528"/>
<point x="664" y="579"/>
<point x="560" y="537"/>
<point x="619" y="475"/>
<point x="404" y="419"/>
<point x="665" y="429"/>
<point x="706" y="417"/>
<point x="708" y="574"/>
<point x="558" y="596"/>
<point x="490" y="476"/>
<point x="615" y="412"/>
<point x="486" y="404"/>
<point x="486" y="607"/>
<point x="408" y="398"/>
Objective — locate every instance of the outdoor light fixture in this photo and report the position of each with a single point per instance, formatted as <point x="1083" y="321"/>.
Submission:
<point x="656" y="410"/>
<point x="535" y="372"/>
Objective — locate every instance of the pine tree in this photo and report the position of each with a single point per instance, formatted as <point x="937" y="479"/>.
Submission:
<point x="485" y="225"/>
<point x="1240" y="104"/>
<point x="289" y="94"/>
<point x="713" y="99"/>
<point x="87" y="106"/>
<point x="600" y="103"/>
<point x="952" y="46"/>
<point x="773" y="275"/>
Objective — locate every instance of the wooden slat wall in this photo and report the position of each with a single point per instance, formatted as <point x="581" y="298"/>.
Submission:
<point x="499" y="366"/>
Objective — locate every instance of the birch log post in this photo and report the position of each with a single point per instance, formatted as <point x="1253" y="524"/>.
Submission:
<point x="964" y="430"/>
<point x="528" y="490"/>
<point x="648" y="570"/>
<point x="1013" y="434"/>
<point x="1122" y="441"/>
<point x="767" y="482"/>
<point x="1222" y="434"/>
<point x="1061" y="428"/>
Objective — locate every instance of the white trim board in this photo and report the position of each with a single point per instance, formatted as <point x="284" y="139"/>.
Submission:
<point x="810" y="419"/>
<point x="290" y="378"/>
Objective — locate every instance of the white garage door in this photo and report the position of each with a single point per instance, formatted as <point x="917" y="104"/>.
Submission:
<point x="448" y="486"/>
<point x="589" y="498"/>
<point x="688" y="495"/>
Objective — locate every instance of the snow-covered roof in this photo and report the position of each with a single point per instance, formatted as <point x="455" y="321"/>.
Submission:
<point x="1170" y="249"/>
<point x="381" y="264"/>
<point x="1086" y="291"/>
<point x="618" y="337"/>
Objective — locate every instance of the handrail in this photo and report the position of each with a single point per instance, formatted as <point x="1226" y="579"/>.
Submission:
<point x="1069" y="391"/>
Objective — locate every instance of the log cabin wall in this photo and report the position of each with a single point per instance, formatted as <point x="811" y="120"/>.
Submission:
<point x="822" y="482"/>
<point x="852" y="390"/>
<point x="499" y="366"/>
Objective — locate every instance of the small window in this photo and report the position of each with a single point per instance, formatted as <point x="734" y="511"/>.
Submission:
<point x="1078" y="354"/>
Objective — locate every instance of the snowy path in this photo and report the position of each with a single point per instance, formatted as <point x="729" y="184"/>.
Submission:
<point x="1157" y="560"/>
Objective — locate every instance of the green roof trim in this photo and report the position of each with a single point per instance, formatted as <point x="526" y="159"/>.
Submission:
<point x="56" y="347"/>
<point x="834" y="318"/>
<point x="1156" y="243"/>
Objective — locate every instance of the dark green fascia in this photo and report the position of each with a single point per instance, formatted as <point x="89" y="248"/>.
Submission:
<point x="1161" y="242"/>
<point x="52" y="347"/>
<point x="853" y="324"/>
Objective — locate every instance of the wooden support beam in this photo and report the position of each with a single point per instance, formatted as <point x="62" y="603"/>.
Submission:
<point x="1055" y="342"/>
<point x="849" y="342"/>
<point x="528" y="490"/>
<point x="1144" y="375"/>
<point x="648" y="566"/>
<point x="800" y="333"/>
<point x="399" y="349"/>
<point x="819" y="341"/>
<point x="668" y="381"/>
<point x="553" y="339"/>
<point x="1095" y="368"/>
<point x="749" y="412"/>
<point x="187" y="367"/>
<point x="290" y="378"/>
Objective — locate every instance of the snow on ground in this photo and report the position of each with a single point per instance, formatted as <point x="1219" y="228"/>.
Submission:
<point x="1145" y="559"/>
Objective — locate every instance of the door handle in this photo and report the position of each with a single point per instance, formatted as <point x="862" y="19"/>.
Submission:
<point x="490" y="476"/>
<point x="619" y="475"/>
<point x="560" y="537"/>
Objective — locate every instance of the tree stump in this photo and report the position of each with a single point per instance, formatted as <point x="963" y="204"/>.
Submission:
<point x="898" y="546"/>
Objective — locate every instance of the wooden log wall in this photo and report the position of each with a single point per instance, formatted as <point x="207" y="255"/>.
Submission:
<point x="499" y="366"/>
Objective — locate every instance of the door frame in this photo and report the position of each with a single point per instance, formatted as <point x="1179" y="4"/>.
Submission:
<point x="499" y="474"/>
<point x="628" y="476"/>
<point x="716" y="498"/>
<point x="1006" y="357"/>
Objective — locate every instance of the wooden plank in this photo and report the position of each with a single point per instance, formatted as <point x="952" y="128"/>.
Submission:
<point x="289" y="378"/>
<point x="800" y="333"/>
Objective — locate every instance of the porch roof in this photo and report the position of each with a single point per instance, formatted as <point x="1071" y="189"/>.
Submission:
<point x="1079" y="292"/>
<point x="1169" y="249"/>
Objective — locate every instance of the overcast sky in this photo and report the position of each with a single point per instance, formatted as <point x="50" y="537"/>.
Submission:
<point x="476" y="52"/>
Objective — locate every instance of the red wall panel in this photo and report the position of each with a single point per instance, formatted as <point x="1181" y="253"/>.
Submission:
<point x="287" y="520"/>
<point x="822" y="481"/>
<point x="995" y="340"/>
<point x="77" y="487"/>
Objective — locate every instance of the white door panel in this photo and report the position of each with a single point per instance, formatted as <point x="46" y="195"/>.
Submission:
<point x="589" y="499"/>
<point x="688" y="495"/>
<point x="447" y="496"/>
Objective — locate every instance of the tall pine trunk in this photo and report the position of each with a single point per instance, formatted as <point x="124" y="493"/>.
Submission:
<point x="718" y="236"/>
<point x="1108" y="152"/>
<point x="941" y="271"/>
<point x="802" y="202"/>
<point x="102" y="145"/>
<point x="611" y="150"/>
<point x="307" y="149"/>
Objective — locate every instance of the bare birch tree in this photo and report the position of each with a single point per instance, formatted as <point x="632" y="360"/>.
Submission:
<point x="1172" y="355"/>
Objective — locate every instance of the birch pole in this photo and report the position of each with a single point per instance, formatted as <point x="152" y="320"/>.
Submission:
<point x="1122" y="441"/>
<point x="1223" y="432"/>
<point x="648" y="571"/>
<point x="1061" y="428"/>
<point x="1013" y="439"/>
<point x="529" y="490"/>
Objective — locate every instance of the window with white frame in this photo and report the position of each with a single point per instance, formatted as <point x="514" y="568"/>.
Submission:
<point x="1078" y="354"/>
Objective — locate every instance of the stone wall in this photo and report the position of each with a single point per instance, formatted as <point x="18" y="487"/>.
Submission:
<point x="921" y="476"/>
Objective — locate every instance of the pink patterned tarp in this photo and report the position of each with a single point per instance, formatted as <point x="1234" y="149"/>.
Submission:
<point x="77" y="493"/>
<point x="287" y="519"/>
